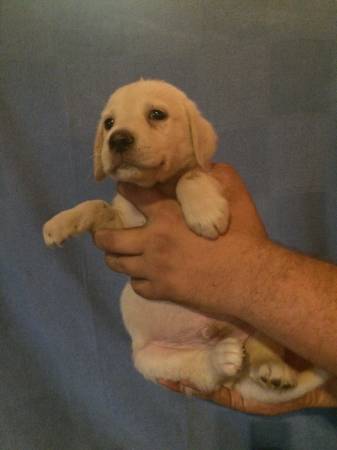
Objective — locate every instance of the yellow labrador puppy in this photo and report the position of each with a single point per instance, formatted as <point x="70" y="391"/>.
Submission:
<point x="150" y="133"/>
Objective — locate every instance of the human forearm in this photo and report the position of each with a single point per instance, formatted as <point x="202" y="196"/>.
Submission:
<point x="293" y="299"/>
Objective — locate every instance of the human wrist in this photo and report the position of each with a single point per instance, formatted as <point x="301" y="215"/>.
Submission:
<point x="238" y="268"/>
<point x="254" y="279"/>
<point x="275" y="275"/>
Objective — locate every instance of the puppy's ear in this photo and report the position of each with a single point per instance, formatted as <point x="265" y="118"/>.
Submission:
<point x="203" y="136"/>
<point x="98" y="168"/>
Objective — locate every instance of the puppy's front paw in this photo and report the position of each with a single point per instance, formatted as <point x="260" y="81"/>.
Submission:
<point x="274" y="375"/>
<point x="204" y="206"/>
<point x="60" y="228"/>
<point x="227" y="357"/>
<point x="208" y="220"/>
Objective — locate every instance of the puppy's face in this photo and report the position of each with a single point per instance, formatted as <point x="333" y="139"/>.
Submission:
<point x="149" y="131"/>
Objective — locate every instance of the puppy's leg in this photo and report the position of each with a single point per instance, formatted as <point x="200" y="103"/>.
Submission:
<point x="205" y="366"/>
<point x="87" y="216"/>
<point x="204" y="206"/>
<point x="266" y="366"/>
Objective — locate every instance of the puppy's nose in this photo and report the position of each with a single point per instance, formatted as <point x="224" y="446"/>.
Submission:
<point x="120" y="141"/>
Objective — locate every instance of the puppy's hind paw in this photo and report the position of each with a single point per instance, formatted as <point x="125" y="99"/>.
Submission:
<point x="227" y="357"/>
<point x="274" y="375"/>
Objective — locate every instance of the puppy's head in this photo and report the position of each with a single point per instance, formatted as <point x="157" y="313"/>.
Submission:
<point x="150" y="131"/>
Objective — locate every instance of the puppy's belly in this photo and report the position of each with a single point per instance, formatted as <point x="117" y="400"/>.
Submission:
<point x="168" y="324"/>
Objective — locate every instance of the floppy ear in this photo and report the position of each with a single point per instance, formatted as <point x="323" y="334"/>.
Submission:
<point x="203" y="136"/>
<point x="98" y="168"/>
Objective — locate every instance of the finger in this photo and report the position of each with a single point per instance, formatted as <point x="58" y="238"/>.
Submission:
<point x="233" y="399"/>
<point x="144" y="288"/>
<point x="171" y="385"/>
<point x="184" y="387"/>
<point x="223" y="396"/>
<point x="124" y="242"/>
<point x="146" y="200"/>
<point x="130" y="265"/>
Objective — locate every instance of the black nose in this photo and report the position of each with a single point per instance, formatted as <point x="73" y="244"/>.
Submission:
<point x="120" y="141"/>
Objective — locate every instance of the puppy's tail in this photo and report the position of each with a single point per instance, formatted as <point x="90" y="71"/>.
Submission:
<point x="307" y="381"/>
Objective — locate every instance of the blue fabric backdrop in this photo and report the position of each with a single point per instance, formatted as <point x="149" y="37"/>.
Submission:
<point x="264" y="73"/>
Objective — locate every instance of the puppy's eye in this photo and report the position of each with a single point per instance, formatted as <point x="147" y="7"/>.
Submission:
<point x="157" y="114"/>
<point x="109" y="123"/>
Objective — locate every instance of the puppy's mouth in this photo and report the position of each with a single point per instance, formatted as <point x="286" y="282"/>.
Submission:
<point x="134" y="165"/>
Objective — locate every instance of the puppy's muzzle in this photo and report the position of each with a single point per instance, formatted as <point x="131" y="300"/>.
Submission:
<point x="120" y="141"/>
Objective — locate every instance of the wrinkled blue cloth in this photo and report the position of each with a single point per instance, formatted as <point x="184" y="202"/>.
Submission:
<point x="264" y="74"/>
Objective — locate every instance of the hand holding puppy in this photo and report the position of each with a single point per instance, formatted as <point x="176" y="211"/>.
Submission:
<point x="167" y="261"/>
<point x="242" y="274"/>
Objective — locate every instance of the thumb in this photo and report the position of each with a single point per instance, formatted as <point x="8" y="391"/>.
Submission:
<point x="144" y="199"/>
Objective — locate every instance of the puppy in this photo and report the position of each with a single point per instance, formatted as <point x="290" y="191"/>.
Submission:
<point x="151" y="133"/>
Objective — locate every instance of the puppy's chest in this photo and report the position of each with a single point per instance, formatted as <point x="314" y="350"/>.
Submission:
<point x="131" y="217"/>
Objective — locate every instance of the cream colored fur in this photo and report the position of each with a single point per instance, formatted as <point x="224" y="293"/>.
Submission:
<point x="169" y="341"/>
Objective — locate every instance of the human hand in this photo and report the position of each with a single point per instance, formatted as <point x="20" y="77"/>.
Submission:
<point x="167" y="261"/>
<point x="323" y="397"/>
